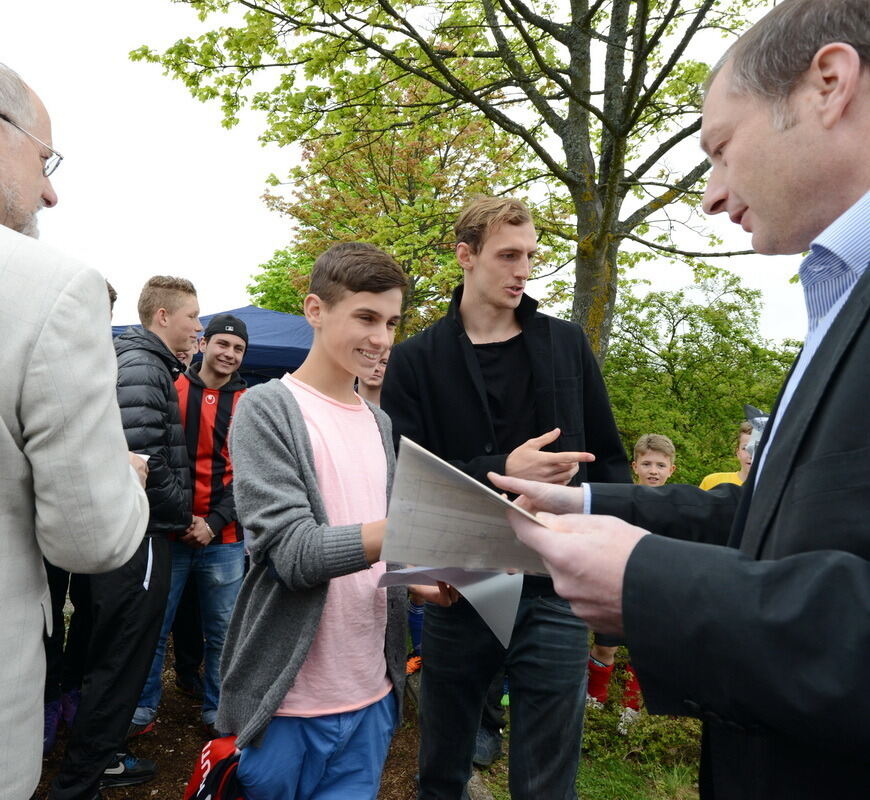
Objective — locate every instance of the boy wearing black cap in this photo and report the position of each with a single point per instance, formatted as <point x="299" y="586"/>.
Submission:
<point x="212" y="548"/>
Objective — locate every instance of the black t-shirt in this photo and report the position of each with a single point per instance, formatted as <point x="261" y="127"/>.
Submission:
<point x="510" y="392"/>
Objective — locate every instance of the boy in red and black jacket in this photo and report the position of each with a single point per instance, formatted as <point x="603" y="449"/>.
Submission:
<point x="212" y="548"/>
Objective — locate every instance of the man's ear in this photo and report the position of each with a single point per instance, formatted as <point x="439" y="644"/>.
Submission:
<point x="313" y="307"/>
<point x="464" y="255"/>
<point x="834" y="74"/>
<point x="161" y="317"/>
<point x="201" y="344"/>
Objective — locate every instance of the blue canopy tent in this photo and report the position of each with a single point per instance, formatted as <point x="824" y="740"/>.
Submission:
<point x="277" y="342"/>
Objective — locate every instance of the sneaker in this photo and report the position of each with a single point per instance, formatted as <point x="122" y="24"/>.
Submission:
<point x="592" y="702"/>
<point x="69" y="705"/>
<point x="626" y="719"/>
<point x="487" y="747"/>
<point x="191" y="685"/>
<point x="138" y="728"/>
<point x="599" y="680"/>
<point x="413" y="664"/>
<point x="51" y="723"/>
<point x="128" y="771"/>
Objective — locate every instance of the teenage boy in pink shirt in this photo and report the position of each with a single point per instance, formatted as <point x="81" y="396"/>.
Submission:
<point x="313" y="666"/>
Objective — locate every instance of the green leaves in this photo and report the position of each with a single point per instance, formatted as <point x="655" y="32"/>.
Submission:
<point x="682" y="363"/>
<point x="580" y="110"/>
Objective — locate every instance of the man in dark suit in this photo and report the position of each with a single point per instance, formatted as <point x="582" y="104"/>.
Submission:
<point x="496" y="385"/>
<point x="768" y="639"/>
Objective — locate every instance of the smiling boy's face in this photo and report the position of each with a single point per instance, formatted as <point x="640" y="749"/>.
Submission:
<point x="653" y="468"/>
<point x="356" y="332"/>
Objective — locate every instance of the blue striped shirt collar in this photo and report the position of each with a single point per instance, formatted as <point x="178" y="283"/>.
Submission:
<point x="838" y="257"/>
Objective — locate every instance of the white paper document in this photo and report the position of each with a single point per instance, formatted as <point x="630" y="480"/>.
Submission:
<point x="494" y="595"/>
<point x="441" y="517"/>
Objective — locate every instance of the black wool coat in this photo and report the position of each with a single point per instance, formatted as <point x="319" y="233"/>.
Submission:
<point x="435" y="395"/>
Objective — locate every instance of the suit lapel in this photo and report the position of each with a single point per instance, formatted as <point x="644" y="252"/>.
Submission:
<point x="779" y="461"/>
<point x="739" y="524"/>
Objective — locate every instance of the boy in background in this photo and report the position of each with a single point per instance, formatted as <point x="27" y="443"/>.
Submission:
<point x="744" y="457"/>
<point x="313" y="664"/>
<point x="653" y="464"/>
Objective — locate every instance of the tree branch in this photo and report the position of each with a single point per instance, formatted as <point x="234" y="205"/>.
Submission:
<point x="687" y="253"/>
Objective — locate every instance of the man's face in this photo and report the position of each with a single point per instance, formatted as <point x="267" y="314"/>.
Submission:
<point x="496" y="275"/>
<point x="356" y="332"/>
<point x="182" y="325"/>
<point x="186" y="356"/>
<point x="768" y="179"/>
<point x="222" y="353"/>
<point x="376" y="379"/>
<point x="653" y="468"/>
<point x="24" y="190"/>
<point x="742" y="453"/>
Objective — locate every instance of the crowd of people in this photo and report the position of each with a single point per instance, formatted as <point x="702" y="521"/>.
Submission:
<point x="132" y="476"/>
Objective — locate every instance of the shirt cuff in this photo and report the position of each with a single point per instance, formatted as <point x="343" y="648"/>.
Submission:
<point x="587" y="498"/>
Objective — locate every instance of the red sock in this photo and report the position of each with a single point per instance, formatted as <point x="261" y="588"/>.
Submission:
<point x="599" y="680"/>
<point x="631" y="695"/>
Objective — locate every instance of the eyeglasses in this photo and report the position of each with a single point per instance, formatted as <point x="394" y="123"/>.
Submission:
<point x="52" y="162"/>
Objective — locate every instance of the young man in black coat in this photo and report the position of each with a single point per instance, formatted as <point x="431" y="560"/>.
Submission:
<point x="496" y="385"/>
<point x="128" y="604"/>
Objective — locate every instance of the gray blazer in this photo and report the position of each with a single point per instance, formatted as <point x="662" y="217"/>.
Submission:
<point x="67" y="491"/>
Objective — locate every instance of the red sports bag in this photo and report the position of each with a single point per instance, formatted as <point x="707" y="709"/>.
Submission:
<point x="214" y="776"/>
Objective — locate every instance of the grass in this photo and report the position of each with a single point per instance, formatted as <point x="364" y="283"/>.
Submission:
<point x="657" y="760"/>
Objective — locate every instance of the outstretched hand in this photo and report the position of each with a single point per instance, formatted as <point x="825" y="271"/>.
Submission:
<point x="535" y="496"/>
<point x="442" y="595"/>
<point x="586" y="555"/>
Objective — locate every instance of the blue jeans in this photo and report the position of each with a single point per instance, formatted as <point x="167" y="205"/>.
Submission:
<point x="218" y="570"/>
<point x="333" y="757"/>
<point x="546" y="667"/>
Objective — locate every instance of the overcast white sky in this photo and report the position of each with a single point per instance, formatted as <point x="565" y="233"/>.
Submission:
<point x="151" y="183"/>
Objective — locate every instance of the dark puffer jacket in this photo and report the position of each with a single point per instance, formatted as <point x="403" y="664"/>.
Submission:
<point x="152" y="425"/>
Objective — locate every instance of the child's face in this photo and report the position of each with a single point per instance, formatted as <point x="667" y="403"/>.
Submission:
<point x="356" y="332"/>
<point x="653" y="468"/>
<point x="742" y="454"/>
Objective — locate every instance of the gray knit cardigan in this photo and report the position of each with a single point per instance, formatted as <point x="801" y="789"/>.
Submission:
<point x="294" y="553"/>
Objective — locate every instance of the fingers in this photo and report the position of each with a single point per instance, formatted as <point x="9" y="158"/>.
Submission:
<point x="567" y="523"/>
<point x="542" y="540"/>
<point x="516" y="485"/>
<point x="543" y="440"/>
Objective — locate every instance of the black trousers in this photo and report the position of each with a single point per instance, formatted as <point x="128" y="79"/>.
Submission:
<point x="65" y="664"/>
<point x="127" y="607"/>
<point x="187" y="639"/>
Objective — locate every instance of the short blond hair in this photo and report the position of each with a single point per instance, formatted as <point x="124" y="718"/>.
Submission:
<point x="655" y="441"/>
<point x="483" y="213"/>
<point x="163" y="291"/>
<point x="745" y="428"/>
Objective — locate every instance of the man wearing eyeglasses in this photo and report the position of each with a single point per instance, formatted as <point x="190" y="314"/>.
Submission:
<point x="25" y="151"/>
<point x="68" y="490"/>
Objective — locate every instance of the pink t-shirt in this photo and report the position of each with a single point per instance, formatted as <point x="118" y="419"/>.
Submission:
<point x="345" y="668"/>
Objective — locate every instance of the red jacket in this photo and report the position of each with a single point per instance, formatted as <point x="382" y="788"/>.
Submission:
<point x="206" y="415"/>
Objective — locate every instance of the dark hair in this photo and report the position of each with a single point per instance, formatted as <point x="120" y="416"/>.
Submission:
<point x="354" y="267"/>
<point x="482" y="214"/>
<point x="163" y="291"/>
